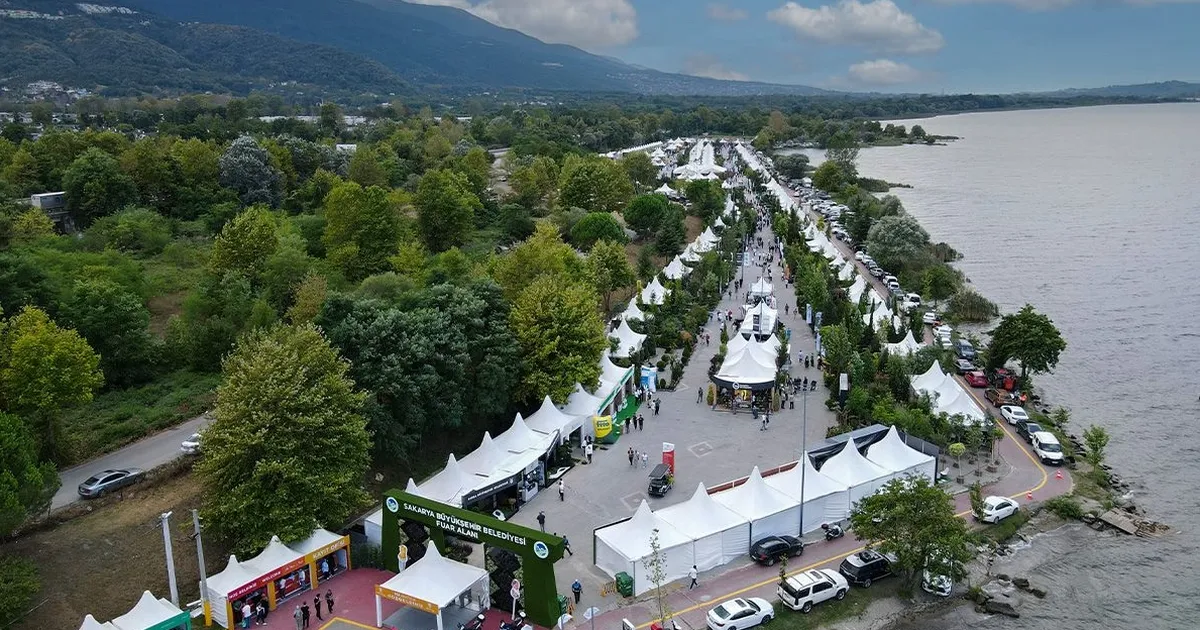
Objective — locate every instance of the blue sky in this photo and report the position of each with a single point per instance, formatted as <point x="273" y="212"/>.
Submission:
<point x="883" y="45"/>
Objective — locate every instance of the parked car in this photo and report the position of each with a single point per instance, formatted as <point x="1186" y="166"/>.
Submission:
<point x="107" y="481"/>
<point x="936" y="583"/>
<point x="859" y="256"/>
<point x="740" y="613"/>
<point x="805" y="590"/>
<point x="1013" y="414"/>
<point x="975" y="378"/>
<point x="999" y="397"/>
<point x="962" y="366"/>
<point x="1047" y="448"/>
<point x="888" y="279"/>
<point x="876" y="271"/>
<point x="893" y="285"/>
<point x="191" y="446"/>
<point x="943" y="330"/>
<point x="771" y="549"/>
<point x="1026" y="429"/>
<point x="930" y="318"/>
<point x="996" y="509"/>
<point x="965" y="350"/>
<point x="912" y="300"/>
<point x="865" y="567"/>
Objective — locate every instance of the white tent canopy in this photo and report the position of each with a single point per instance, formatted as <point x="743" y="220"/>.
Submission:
<point x="719" y="223"/>
<point x="856" y="290"/>
<point x="718" y="534"/>
<point x="149" y="611"/>
<point x="623" y="546"/>
<point x="582" y="403"/>
<point x="434" y="580"/>
<point x="930" y="380"/>
<point x="761" y="288"/>
<point x="90" y="623"/>
<point x="825" y="500"/>
<point x="737" y="342"/>
<point x="655" y="292"/>
<point x="708" y="236"/>
<point x="633" y="313"/>
<point x="235" y="576"/>
<point x="551" y="420"/>
<point x="959" y="402"/>
<point x="274" y="555"/>
<point x="766" y="319"/>
<point x="749" y="367"/>
<point x="629" y="342"/>
<point x="847" y="271"/>
<point x="665" y="190"/>
<point x="908" y="345"/>
<point x="862" y="476"/>
<point x="448" y="485"/>
<point x="770" y="512"/>
<point x="891" y="452"/>
<point x="701" y="245"/>
<point x="690" y="254"/>
<point x="676" y="270"/>
<point x="522" y="443"/>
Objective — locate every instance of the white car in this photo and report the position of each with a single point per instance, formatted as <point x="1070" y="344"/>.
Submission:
<point x="1046" y="447"/>
<point x="996" y="509"/>
<point x="859" y="256"/>
<point x="191" y="446"/>
<point x="943" y="330"/>
<point x="929" y="318"/>
<point x="1013" y="414"/>
<point x="804" y="590"/>
<point x="740" y="613"/>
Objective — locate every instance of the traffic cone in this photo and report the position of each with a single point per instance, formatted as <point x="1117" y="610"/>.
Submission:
<point x="1029" y="495"/>
<point x="1058" y="474"/>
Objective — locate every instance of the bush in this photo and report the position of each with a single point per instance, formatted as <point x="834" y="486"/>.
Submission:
<point x="134" y="230"/>
<point x="1066" y="507"/>
<point x="969" y="306"/>
<point x="596" y="226"/>
<point x="18" y="584"/>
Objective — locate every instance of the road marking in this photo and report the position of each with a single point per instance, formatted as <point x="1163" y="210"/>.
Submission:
<point x="346" y="621"/>
<point x="634" y="501"/>
<point x="700" y="449"/>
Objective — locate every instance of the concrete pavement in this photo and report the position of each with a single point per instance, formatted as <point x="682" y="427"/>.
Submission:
<point x="147" y="453"/>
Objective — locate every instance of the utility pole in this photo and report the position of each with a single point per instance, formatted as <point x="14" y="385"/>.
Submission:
<point x="166" y="530"/>
<point x="203" y="573"/>
<point x="803" y="454"/>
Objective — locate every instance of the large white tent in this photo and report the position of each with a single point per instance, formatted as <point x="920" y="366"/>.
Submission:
<point x="860" y="475"/>
<point x="847" y="271"/>
<point x="447" y="486"/>
<point x="622" y="547"/>
<point x="701" y="245"/>
<point x="930" y="380"/>
<point x="856" y="290"/>
<point x="633" y="313"/>
<point x="224" y="584"/>
<point x="90" y="623"/>
<point x="737" y="342"/>
<point x="583" y="403"/>
<point x="551" y="420"/>
<point x="151" y="613"/>
<point x="892" y="453"/>
<point x="770" y="512"/>
<point x="709" y="237"/>
<point x="881" y="315"/>
<point x="718" y="534"/>
<point x="655" y="293"/>
<point x="751" y="368"/>
<point x="629" y="342"/>
<point x="690" y="254"/>
<point x="908" y="345"/>
<point x="676" y="270"/>
<point x="759" y="319"/>
<point x="761" y="288"/>
<point x="431" y="584"/>
<point x="959" y="402"/>
<point x="522" y="443"/>
<point x="665" y="190"/>
<point x="825" y="499"/>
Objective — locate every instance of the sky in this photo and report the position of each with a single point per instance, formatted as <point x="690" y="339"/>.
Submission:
<point x="931" y="46"/>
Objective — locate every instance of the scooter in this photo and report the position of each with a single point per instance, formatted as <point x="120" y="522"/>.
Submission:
<point x="832" y="532"/>
<point x="474" y="624"/>
<point x="515" y="624"/>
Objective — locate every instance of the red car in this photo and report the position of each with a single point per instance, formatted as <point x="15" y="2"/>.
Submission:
<point x="976" y="378"/>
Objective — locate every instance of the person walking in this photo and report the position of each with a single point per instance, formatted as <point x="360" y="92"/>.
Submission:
<point x="304" y="614"/>
<point x="630" y="449"/>
<point x="562" y="491"/>
<point x="657" y="404"/>
<point x="764" y="423"/>
<point x="317" y="606"/>
<point x="260" y="614"/>
<point x="645" y="459"/>
<point x="587" y="450"/>
<point x="577" y="589"/>
<point x="641" y="422"/>
<point x="329" y="602"/>
<point x="566" y="544"/>
<point x="299" y="619"/>
<point x="699" y="394"/>
<point x="692" y="574"/>
<point x="541" y="519"/>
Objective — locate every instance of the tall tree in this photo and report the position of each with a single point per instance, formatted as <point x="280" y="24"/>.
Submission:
<point x="96" y="186"/>
<point x="246" y="168"/>
<point x="641" y="171"/>
<point x="609" y="270"/>
<point x="561" y="337"/>
<point x="288" y="446"/>
<point x="362" y="229"/>
<point x="839" y="349"/>
<point x="895" y="240"/>
<point x="245" y="244"/>
<point x="116" y="325"/>
<point x="446" y="209"/>
<point x="596" y="226"/>
<point x="707" y="197"/>
<point x="1028" y="337"/>
<point x="27" y="484"/>
<point x="842" y="149"/>
<point x="939" y="283"/>
<point x="829" y="177"/>
<point x="594" y="183"/>
<point x="535" y="183"/>
<point x="671" y="234"/>
<point x="914" y="521"/>
<point x="542" y="254"/>
<point x="645" y="213"/>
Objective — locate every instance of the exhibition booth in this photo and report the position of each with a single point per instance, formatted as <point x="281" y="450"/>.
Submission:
<point x="622" y="547"/>
<point x="861" y="476"/>
<point x="451" y="592"/>
<point x="769" y="511"/>
<point x="893" y="454"/>
<point x="149" y="613"/>
<point x="824" y="499"/>
<point x="655" y="293"/>
<point x="718" y="534"/>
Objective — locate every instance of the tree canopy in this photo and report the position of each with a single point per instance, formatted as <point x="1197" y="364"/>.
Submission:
<point x="646" y="212"/>
<point x="895" y="239"/>
<point x="96" y="186"/>
<point x="561" y="337"/>
<point x="362" y="229"/>
<point x="596" y="226"/>
<point x="26" y="484"/>
<point x="446" y="209"/>
<point x="1029" y="338"/>
<point x="594" y="183"/>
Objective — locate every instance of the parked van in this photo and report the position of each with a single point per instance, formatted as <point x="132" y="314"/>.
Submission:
<point x="1047" y="448"/>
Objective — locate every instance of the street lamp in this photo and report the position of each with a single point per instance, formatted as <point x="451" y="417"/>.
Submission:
<point x="803" y="452"/>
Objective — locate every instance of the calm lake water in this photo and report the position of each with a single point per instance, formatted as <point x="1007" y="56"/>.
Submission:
<point x="1093" y="216"/>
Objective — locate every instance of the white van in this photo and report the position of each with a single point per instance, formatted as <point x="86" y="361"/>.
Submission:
<point x="1047" y="448"/>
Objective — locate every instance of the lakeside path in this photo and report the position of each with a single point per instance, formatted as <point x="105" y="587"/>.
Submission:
<point x="1025" y="476"/>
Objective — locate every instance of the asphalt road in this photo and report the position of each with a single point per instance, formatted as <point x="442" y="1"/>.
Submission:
<point x="147" y="453"/>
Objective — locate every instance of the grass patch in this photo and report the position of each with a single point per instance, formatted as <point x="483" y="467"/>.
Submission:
<point x="1007" y="528"/>
<point x="854" y="606"/>
<point x="116" y="418"/>
<point x="1085" y="483"/>
<point x="1067" y="507"/>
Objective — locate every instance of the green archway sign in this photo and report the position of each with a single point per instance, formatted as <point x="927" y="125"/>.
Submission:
<point x="538" y="550"/>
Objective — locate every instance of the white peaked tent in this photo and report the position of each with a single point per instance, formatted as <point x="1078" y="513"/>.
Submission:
<point x="628" y="340"/>
<point x="633" y="313"/>
<point x="675" y="270"/>
<point x="891" y="452"/>
<point x="551" y="420"/>
<point x="761" y="288"/>
<point x="655" y="292"/>
<point x="623" y="547"/>
<point x="700" y="245"/>
<point x="837" y="261"/>
<point x="522" y="443"/>
<point x="847" y="271"/>
<point x="90" y="623"/>
<point x="582" y="403"/>
<point x="861" y="476"/>
<point x="908" y="345"/>
<point x="485" y="461"/>
<point x="881" y="316"/>
<point x="719" y="223"/>
<point x="718" y="534"/>
<point x="612" y="372"/>
<point x="737" y="342"/>
<point x="235" y="576"/>
<point x="856" y="290"/>
<point x="689" y="254"/>
<point x="752" y="368"/>
<point x="149" y="612"/>
<point x="930" y="380"/>
<point x="829" y="250"/>
<point x="665" y="190"/>
<point x="433" y="580"/>
<point x="766" y="318"/>
<point x="770" y="512"/>
<point x="958" y="401"/>
<point x="825" y="500"/>
<point x="710" y="237"/>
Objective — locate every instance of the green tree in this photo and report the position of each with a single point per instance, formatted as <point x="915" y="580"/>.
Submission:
<point x="476" y="165"/>
<point x="917" y="132"/>
<point x="285" y="270"/>
<point x="155" y="175"/>
<point x="288" y="446"/>
<point x="893" y="241"/>
<point x="671" y="234"/>
<point x="560" y="335"/>
<point x="199" y="172"/>
<point x="645" y="213"/>
<point x="829" y="177"/>
<point x="792" y="166"/>
<point x="1028" y="337"/>
<point x="247" y="169"/>
<point x="939" y="283"/>
<point x="26" y="484"/>
<point x="536" y="182"/>
<point x="839" y="350"/>
<point x="214" y="314"/>
<point x="543" y="254"/>
<point x="133" y="230"/>
<point x="366" y="168"/>
<point x="975" y="492"/>
<point x="96" y="186"/>
<point x="914" y="521"/>
<point x="245" y="244"/>
<point x="516" y="222"/>
<point x="596" y="226"/>
<point x="362" y="229"/>
<point x="331" y="122"/>
<point x="116" y="325"/>
<point x="594" y="183"/>
<point x="22" y="173"/>
<point x="641" y="171"/>
<point x="707" y="197"/>
<point x="18" y="584"/>
<point x="446" y="209"/>
<point x="842" y="149"/>
<point x="609" y="270"/>
<point x="1095" y="441"/>
<point x="31" y="225"/>
<point x="311" y="294"/>
<point x="43" y="370"/>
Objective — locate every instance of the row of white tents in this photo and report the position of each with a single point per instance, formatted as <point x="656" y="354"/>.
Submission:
<point x="709" y="530"/>
<point x="948" y="395"/>
<point x="701" y="163"/>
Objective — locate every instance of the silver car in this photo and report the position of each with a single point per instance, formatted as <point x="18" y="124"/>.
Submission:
<point x="107" y="481"/>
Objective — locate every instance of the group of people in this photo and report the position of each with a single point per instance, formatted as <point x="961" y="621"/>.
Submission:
<point x="637" y="421"/>
<point x="302" y="614"/>
<point x="638" y="458"/>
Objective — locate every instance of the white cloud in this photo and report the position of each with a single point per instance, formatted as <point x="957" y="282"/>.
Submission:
<point x="884" y="72"/>
<point x="877" y="25"/>
<point x="1051" y="5"/>
<point x="701" y="65"/>
<point x="725" y="14"/>
<point x="584" y="23"/>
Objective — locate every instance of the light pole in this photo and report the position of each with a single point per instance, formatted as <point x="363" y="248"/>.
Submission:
<point x="803" y="453"/>
<point x="166" y="529"/>
<point x="203" y="572"/>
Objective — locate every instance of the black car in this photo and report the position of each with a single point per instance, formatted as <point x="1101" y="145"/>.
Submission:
<point x="1026" y="429"/>
<point x="771" y="549"/>
<point x="865" y="567"/>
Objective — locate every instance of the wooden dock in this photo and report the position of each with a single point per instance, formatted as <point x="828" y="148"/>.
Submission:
<point x="1132" y="525"/>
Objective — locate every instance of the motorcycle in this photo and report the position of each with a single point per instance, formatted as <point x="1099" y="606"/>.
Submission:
<point x="474" y="624"/>
<point x="832" y="532"/>
<point x="515" y="624"/>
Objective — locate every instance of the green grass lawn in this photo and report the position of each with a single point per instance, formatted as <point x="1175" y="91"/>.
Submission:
<point x="853" y="606"/>
<point x="116" y="418"/>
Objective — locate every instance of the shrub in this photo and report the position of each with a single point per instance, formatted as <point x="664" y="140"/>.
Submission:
<point x="134" y="230"/>
<point x="969" y="306"/>
<point x="1066" y="507"/>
